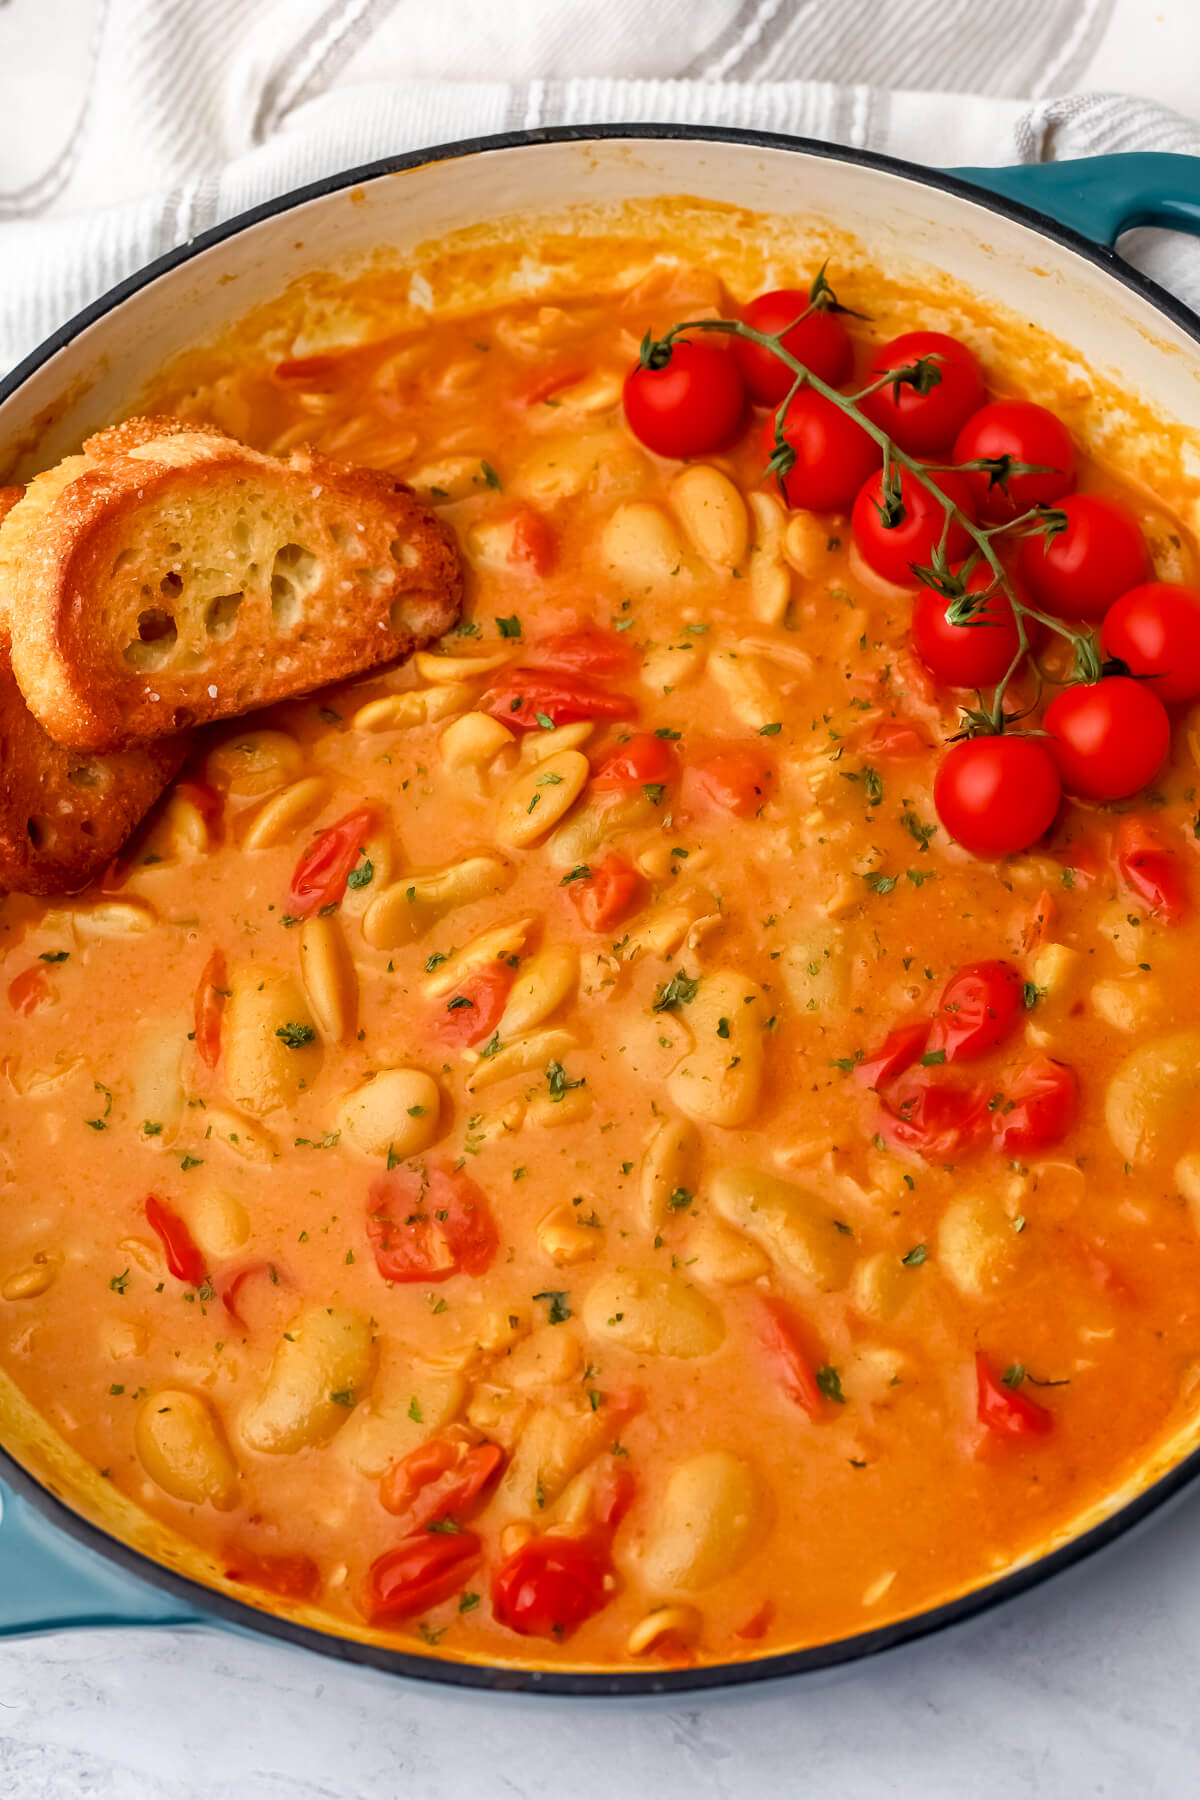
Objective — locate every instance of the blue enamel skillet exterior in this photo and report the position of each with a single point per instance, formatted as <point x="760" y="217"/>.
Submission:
<point x="59" y="1571"/>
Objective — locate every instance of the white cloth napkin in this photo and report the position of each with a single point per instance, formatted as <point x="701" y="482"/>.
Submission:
<point x="128" y="126"/>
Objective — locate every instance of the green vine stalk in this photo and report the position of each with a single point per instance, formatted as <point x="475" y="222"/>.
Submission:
<point x="921" y="375"/>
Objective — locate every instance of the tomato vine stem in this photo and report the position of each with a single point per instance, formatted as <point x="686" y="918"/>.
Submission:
<point x="923" y="374"/>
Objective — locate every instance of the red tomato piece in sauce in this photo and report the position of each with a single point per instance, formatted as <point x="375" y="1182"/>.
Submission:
<point x="184" y="1259"/>
<point x="1005" y="1410"/>
<point x="425" y="1225"/>
<point x="529" y="699"/>
<point x="550" y="1585"/>
<point x="320" y="875"/>
<point x="472" y="1012"/>
<point x="209" y="1003"/>
<point x="423" y="1570"/>
<point x="737" y="780"/>
<point x="1038" y="1110"/>
<point x="980" y="1007"/>
<point x="604" y="896"/>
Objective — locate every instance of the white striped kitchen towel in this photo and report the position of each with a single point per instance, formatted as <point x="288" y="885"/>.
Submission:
<point x="127" y="126"/>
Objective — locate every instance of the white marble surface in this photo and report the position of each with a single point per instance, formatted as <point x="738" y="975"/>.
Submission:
<point x="1084" y="1689"/>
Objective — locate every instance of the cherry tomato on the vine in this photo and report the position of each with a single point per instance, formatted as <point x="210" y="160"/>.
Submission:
<point x="1077" y="573"/>
<point x="893" y="550"/>
<point x="997" y="795"/>
<point x="820" y="341"/>
<point x="1108" y="737"/>
<point x="1016" y="431"/>
<point x="972" y="655"/>
<point x="1155" y="631"/>
<point x="923" y="424"/>
<point x="834" y="455"/>
<point x="689" y="407"/>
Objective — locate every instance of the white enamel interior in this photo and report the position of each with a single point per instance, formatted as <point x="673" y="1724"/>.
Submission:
<point x="92" y="379"/>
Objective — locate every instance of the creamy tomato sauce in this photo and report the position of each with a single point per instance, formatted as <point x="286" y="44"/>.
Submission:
<point x="454" y="1134"/>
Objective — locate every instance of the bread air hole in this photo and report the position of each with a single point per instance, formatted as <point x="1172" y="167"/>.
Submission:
<point x="155" y="642"/>
<point x="221" y="614"/>
<point x="404" y="554"/>
<point x="294" y="574"/>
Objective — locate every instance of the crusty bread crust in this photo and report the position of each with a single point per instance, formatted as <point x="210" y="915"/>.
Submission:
<point x="171" y="576"/>
<point x="63" y="816"/>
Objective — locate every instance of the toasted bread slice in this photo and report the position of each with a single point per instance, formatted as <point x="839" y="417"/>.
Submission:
<point x="64" y="816"/>
<point x="169" y="576"/>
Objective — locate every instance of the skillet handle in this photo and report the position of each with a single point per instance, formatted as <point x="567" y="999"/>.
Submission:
<point x="49" y="1582"/>
<point x="1102" y="196"/>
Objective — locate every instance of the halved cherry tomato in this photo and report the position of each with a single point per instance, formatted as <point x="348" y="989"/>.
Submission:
<point x="472" y="1012"/>
<point x="551" y="1585"/>
<point x="899" y="1050"/>
<point x="590" y="650"/>
<point x="738" y="780"/>
<point x="834" y="455"/>
<point x="900" y="739"/>
<point x="1039" y="1108"/>
<point x="1079" y="572"/>
<point x="184" y="1260"/>
<point x="980" y="1006"/>
<point x="691" y="406"/>
<point x="320" y="875"/>
<point x="925" y="423"/>
<point x="820" y="341"/>
<point x="438" y="1480"/>
<point x="606" y="893"/>
<point x="973" y="655"/>
<point x="423" y="1570"/>
<point x="427" y="1225"/>
<point x="1155" y="631"/>
<point x="1150" y="870"/>
<point x="523" y="698"/>
<point x="209" y="1002"/>
<point x="29" y="990"/>
<point x="934" y="1118"/>
<point x="1005" y="1410"/>
<point x="645" y="759"/>
<point x="1016" y="431"/>
<point x="292" y="1577"/>
<point x="1108" y="737"/>
<point x="997" y="795"/>
<point x="780" y="1336"/>
<point x="894" y="550"/>
<point x="534" y="544"/>
<point x="231" y="1286"/>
